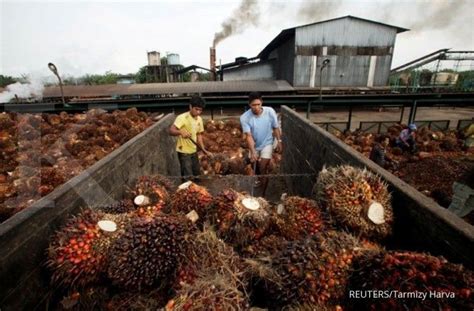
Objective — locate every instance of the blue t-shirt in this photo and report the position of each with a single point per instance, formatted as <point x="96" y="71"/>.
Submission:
<point x="261" y="127"/>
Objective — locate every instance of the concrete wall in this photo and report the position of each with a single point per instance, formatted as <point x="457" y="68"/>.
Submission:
<point x="420" y="223"/>
<point x="25" y="237"/>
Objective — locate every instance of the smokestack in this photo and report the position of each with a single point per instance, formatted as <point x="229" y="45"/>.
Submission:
<point x="213" y="62"/>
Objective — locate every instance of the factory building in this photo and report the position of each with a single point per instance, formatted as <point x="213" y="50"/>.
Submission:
<point x="358" y="53"/>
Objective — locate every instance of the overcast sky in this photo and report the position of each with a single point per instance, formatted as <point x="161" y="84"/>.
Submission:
<point x="96" y="36"/>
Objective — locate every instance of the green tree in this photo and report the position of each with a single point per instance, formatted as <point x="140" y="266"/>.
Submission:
<point x="6" y="80"/>
<point x="140" y="76"/>
<point x="107" y="78"/>
<point x="465" y="81"/>
<point x="164" y="60"/>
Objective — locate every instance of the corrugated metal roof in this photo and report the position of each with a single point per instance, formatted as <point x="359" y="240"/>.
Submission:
<point x="287" y="33"/>
<point x="169" y="88"/>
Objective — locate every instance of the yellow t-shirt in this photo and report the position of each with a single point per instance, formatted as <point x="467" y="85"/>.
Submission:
<point x="193" y="126"/>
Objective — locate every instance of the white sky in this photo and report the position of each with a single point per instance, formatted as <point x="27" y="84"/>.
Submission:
<point x="95" y="36"/>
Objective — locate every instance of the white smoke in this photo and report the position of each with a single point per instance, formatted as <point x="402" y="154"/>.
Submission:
<point x="33" y="89"/>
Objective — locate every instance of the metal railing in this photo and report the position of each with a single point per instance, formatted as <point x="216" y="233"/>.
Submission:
<point x="463" y="124"/>
<point x="434" y="125"/>
<point x="333" y="127"/>
<point x="376" y="127"/>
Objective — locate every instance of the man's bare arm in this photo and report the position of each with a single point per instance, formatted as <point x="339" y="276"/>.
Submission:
<point x="174" y="131"/>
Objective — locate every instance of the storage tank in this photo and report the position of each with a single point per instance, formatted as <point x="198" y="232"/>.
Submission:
<point x="194" y="76"/>
<point x="154" y="58"/>
<point x="173" y="59"/>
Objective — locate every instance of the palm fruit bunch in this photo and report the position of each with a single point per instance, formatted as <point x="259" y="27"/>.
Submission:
<point x="208" y="255"/>
<point x="315" y="270"/>
<point x="448" y="286"/>
<point x="213" y="292"/>
<point x="149" y="251"/>
<point x="266" y="246"/>
<point x="357" y="200"/>
<point x="239" y="218"/>
<point x="154" y="299"/>
<point x="156" y="187"/>
<point x="89" y="298"/>
<point x="77" y="254"/>
<point x="210" y="126"/>
<point x="299" y="218"/>
<point x="189" y="197"/>
<point x="119" y="207"/>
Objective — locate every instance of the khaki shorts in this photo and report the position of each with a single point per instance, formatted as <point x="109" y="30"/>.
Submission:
<point x="266" y="152"/>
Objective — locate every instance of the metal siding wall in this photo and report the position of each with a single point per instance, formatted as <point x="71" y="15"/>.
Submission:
<point x="342" y="71"/>
<point x="349" y="71"/>
<point x="256" y="72"/>
<point x="284" y="66"/>
<point x="302" y="70"/>
<point x="345" y="32"/>
<point x="382" y="70"/>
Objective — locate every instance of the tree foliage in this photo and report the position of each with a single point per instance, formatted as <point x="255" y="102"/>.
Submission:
<point x="6" y="80"/>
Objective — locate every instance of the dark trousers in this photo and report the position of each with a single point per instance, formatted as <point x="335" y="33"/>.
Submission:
<point x="411" y="145"/>
<point x="189" y="164"/>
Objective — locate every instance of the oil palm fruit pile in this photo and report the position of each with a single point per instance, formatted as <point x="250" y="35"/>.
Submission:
<point x="78" y="252"/>
<point x="300" y="217"/>
<point x="191" y="197"/>
<point x="156" y="188"/>
<point x="295" y="254"/>
<point x="120" y="207"/>
<point x="265" y="247"/>
<point x="313" y="270"/>
<point x="240" y="219"/>
<point x="447" y="286"/>
<point x="213" y="292"/>
<point x="427" y="140"/>
<point x="149" y="251"/>
<point x="225" y="139"/>
<point x="357" y="200"/>
<point x="212" y="278"/>
<point x="42" y="151"/>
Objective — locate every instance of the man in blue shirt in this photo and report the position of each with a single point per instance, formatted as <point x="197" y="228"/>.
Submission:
<point x="406" y="140"/>
<point x="262" y="132"/>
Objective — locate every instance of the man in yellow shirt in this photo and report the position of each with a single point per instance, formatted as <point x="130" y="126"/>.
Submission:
<point x="188" y="127"/>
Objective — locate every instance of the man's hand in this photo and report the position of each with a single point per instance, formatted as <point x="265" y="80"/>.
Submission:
<point x="184" y="133"/>
<point x="253" y="156"/>
<point x="279" y="147"/>
<point x="208" y="153"/>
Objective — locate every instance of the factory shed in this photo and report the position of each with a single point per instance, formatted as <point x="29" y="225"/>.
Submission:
<point x="359" y="51"/>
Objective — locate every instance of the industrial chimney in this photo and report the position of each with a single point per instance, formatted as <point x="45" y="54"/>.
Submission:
<point x="213" y="63"/>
